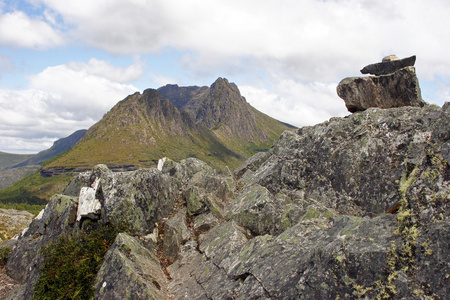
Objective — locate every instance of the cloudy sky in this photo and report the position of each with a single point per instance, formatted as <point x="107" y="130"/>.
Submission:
<point x="64" y="64"/>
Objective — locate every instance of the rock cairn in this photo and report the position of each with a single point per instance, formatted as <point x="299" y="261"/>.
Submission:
<point x="395" y="84"/>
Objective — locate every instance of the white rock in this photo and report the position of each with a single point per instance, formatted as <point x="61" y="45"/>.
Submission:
<point x="161" y="163"/>
<point x="88" y="205"/>
<point x="41" y="213"/>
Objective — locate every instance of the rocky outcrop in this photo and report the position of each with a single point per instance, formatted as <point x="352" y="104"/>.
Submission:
<point x="396" y="86"/>
<point x="355" y="207"/>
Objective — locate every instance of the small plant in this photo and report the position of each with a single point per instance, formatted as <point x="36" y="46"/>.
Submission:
<point x="71" y="264"/>
<point x="4" y="252"/>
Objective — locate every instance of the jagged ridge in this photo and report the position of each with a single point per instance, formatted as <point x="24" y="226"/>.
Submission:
<point x="215" y="124"/>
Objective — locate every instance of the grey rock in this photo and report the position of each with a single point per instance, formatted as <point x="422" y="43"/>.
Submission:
<point x="24" y="260"/>
<point x="389" y="65"/>
<point x="257" y="210"/>
<point x="138" y="199"/>
<point x="175" y="234"/>
<point x="352" y="208"/>
<point x="130" y="271"/>
<point x="397" y="89"/>
<point x="354" y="164"/>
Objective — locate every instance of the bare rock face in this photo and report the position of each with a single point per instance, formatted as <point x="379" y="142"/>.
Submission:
<point x="396" y="86"/>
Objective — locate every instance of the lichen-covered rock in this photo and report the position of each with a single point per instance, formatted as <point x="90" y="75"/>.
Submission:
<point x="138" y="199"/>
<point x="397" y="89"/>
<point x="175" y="234"/>
<point x="23" y="262"/>
<point x="355" y="164"/>
<point x="353" y="208"/>
<point x="257" y="210"/>
<point x="130" y="271"/>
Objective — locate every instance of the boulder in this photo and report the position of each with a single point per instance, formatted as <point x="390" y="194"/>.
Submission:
<point x="389" y="65"/>
<point x="397" y="89"/>
<point x="130" y="271"/>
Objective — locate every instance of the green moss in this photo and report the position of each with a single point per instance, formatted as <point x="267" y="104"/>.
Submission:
<point x="311" y="214"/>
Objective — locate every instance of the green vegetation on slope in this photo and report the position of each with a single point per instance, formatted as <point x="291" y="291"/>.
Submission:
<point x="33" y="190"/>
<point x="7" y="159"/>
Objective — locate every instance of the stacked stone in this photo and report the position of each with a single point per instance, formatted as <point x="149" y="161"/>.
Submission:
<point x="395" y="84"/>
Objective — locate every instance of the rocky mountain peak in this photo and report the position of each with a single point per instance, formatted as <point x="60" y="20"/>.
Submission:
<point x="214" y="123"/>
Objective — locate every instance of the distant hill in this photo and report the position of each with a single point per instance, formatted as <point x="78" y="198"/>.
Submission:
<point x="215" y="124"/>
<point x="8" y="159"/>
<point x="21" y="186"/>
<point x="58" y="147"/>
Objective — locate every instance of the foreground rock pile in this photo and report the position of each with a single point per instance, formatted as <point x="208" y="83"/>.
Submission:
<point x="355" y="207"/>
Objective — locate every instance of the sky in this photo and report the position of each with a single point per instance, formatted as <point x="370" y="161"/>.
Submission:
<point x="64" y="64"/>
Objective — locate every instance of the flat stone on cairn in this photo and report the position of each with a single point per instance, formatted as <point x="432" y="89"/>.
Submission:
<point x="395" y="85"/>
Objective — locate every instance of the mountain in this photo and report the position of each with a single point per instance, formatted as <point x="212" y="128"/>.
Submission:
<point x="15" y="167"/>
<point x="59" y="146"/>
<point x="8" y="159"/>
<point x="215" y="124"/>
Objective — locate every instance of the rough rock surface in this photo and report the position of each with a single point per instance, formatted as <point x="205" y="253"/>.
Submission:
<point x="389" y="65"/>
<point x="397" y="89"/>
<point x="351" y="208"/>
<point x="130" y="271"/>
<point x="12" y="222"/>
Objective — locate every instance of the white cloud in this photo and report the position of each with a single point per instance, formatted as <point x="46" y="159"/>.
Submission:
<point x="308" y="39"/>
<point x="104" y="69"/>
<point x="29" y="124"/>
<point x="296" y="103"/>
<point x="6" y="65"/>
<point x="162" y="80"/>
<point x="19" y="30"/>
<point x="78" y="91"/>
<point x="60" y="100"/>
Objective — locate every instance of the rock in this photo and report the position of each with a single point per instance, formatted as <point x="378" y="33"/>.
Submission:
<point x="137" y="199"/>
<point x="130" y="271"/>
<point x="175" y="234"/>
<point x="257" y="210"/>
<point x="397" y="89"/>
<point x="354" y="207"/>
<point x="389" y="58"/>
<point x="88" y="205"/>
<point x="24" y="261"/>
<point x="13" y="222"/>
<point x="389" y="65"/>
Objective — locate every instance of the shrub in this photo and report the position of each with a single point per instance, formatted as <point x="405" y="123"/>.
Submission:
<point x="71" y="264"/>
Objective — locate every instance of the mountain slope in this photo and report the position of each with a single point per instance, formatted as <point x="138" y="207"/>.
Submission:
<point x="58" y="147"/>
<point x="8" y="159"/>
<point x="16" y="166"/>
<point x="214" y="124"/>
